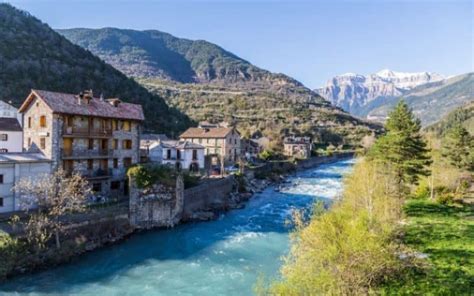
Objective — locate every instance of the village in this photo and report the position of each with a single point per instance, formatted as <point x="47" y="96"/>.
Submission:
<point x="100" y="139"/>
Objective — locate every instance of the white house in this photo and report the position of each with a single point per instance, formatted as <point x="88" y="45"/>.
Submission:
<point x="7" y="110"/>
<point x="179" y="154"/>
<point x="11" y="135"/>
<point x="13" y="167"/>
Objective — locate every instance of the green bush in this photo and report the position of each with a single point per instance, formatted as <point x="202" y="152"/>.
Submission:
<point x="422" y="191"/>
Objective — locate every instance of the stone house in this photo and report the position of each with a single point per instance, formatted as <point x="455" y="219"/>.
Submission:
<point x="219" y="142"/>
<point x="13" y="167"/>
<point x="298" y="147"/>
<point x="96" y="137"/>
<point x="250" y="148"/>
<point x="11" y="135"/>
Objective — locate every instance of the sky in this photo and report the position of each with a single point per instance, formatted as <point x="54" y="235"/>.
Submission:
<point x="311" y="41"/>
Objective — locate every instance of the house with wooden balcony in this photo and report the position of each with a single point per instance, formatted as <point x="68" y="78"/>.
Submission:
<point x="96" y="137"/>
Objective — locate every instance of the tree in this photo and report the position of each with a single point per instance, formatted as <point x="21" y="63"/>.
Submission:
<point x="403" y="148"/>
<point x="47" y="199"/>
<point x="458" y="146"/>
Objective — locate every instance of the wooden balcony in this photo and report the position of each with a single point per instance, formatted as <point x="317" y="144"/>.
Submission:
<point x="74" y="131"/>
<point x="86" y="154"/>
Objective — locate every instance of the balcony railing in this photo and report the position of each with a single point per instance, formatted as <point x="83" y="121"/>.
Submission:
<point x="98" y="173"/>
<point x="86" y="131"/>
<point x="86" y="153"/>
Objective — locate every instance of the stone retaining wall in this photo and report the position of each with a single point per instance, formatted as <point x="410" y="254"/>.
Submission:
<point x="212" y="195"/>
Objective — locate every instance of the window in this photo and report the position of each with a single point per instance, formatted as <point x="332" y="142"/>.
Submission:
<point x="200" y="141"/>
<point x="1" y="179"/>
<point x="90" y="164"/>
<point x="115" y="163"/>
<point x="97" y="187"/>
<point x="178" y="154"/>
<point x="116" y="144"/>
<point x="43" y="143"/>
<point x="1" y="201"/>
<point x="127" y="126"/>
<point x="127" y="162"/>
<point x="90" y="145"/>
<point x="127" y="144"/>
<point x="114" y="185"/>
<point x="4" y="137"/>
<point x="195" y="154"/>
<point x="42" y="121"/>
<point x="29" y="122"/>
<point x="3" y="150"/>
<point x="29" y="142"/>
<point x="168" y="153"/>
<point x="115" y="125"/>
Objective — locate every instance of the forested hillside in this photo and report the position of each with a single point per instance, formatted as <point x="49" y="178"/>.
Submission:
<point x="463" y="116"/>
<point x="209" y="83"/>
<point x="32" y="55"/>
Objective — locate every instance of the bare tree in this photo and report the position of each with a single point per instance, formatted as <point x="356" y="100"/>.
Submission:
<point x="48" y="198"/>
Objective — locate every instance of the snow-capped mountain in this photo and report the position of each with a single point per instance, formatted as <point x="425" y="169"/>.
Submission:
<point x="356" y="93"/>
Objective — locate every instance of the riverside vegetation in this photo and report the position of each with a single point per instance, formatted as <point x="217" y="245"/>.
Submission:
<point x="403" y="198"/>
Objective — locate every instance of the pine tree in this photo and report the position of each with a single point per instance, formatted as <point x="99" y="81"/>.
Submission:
<point x="458" y="146"/>
<point x="403" y="148"/>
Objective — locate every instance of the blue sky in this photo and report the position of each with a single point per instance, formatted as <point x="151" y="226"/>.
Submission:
<point x="308" y="40"/>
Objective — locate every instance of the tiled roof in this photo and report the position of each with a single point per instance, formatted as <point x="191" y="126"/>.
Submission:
<point x="195" y="132"/>
<point x="68" y="104"/>
<point x="10" y="124"/>
<point x="22" y="157"/>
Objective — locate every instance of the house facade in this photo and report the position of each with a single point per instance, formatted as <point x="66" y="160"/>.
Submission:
<point x="298" y="147"/>
<point x="222" y="142"/>
<point x="8" y="111"/>
<point x="11" y="135"/>
<point x="13" y="167"/>
<point x="95" y="137"/>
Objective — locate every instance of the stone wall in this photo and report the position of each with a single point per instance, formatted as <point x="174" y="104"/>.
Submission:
<point x="315" y="161"/>
<point x="157" y="206"/>
<point x="211" y="195"/>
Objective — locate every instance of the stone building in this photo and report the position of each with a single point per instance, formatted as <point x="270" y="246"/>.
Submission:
<point x="13" y="167"/>
<point x="298" y="147"/>
<point x="222" y="142"/>
<point x="96" y="137"/>
<point x="11" y="135"/>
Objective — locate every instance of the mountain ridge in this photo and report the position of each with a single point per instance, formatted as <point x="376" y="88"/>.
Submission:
<point x="353" y="92"/>
<point x="35" y="56"/>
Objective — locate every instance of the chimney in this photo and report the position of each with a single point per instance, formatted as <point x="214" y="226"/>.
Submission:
<point x="101" y="97"/>
<point x="88" y="95"/>
<point x="80" y="97"/>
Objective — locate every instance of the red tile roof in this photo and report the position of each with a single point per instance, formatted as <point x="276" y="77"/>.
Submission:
<point x="196" y="132"/>
<point x="10" y="124"/>
<point x="68" y="104"/>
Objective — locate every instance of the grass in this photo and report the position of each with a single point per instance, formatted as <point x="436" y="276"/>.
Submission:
<point x="446" y="234"/>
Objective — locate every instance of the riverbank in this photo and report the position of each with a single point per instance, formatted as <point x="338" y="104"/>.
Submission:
<point x="444" y="234"/>
<point x="224" y="256"/>
<point x="96" y="232"/>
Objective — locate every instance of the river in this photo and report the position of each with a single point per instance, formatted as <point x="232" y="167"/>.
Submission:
<point x="222" y="257"/>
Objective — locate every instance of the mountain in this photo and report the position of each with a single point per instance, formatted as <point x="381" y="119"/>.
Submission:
<point x="209" y="83"/>
<point x="32" y="55"/>
<point x="463" y="115"/>
<point x="155" y="54"/>
<point x="432" y="101"/>
<point x="358" y="94"/>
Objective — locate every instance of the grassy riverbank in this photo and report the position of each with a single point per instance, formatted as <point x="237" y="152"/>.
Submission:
<point x="446" y="234"/>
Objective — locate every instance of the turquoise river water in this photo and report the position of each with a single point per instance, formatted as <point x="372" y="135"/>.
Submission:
<point x="222" y="257"/>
